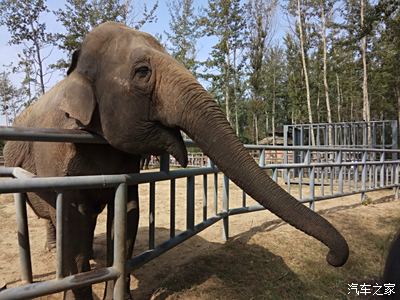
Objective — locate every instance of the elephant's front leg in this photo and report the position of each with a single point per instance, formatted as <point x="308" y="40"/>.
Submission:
<point x="81" y="222"/>
<point x="132" y="227"/>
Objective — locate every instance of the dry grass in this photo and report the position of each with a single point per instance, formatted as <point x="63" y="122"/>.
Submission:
<point x="264" y="259"/>
<point x="268" y="259"/>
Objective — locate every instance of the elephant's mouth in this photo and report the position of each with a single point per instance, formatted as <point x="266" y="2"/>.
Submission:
<point x="172" y="143"/>
<point x="159" y="139"/>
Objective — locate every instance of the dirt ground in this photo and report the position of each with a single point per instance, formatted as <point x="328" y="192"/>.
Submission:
<point x="264" y="259"/>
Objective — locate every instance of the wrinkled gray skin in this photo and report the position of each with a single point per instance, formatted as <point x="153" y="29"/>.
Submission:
<point x="391" y="272"/>
<point x="123" y="86"/>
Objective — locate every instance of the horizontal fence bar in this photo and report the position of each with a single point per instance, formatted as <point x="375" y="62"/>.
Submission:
<point x="319" y="148"/>
<point x="38" y="289"/>
<point x="95" y="181"/>
<point x="80" y="136"/>
<point x="344" y="194"/>
<point x="49" y="135"/>
<point x="146" y="256"/>
<point x="105" y="181"/>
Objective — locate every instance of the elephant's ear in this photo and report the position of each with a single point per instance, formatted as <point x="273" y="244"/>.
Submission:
<point x="78" y="99"/>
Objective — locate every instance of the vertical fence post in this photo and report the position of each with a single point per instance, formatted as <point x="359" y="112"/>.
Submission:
<point x="261" y="161"/>
<point x="312" y="188"/>
<point x="396" y="181"/>
<point x="172" y="208"/>
<point x="164" y="162"/>
<point x="190" y="203"/>
<point x="340" y="176"/>
<point x="152" y="214"/>
<point x="365" y="135"/>
<point x="356" y="167"/>
<point x="382" y="174"/>
<point x="23" y="237"/>
<point x="285" y="153"/>
<point x="395" y="137"/>
<point x="205" y="196"/>
<point x="327" y="132"/>
<point x="364" y="176"/>
<point x="225" y="207"/>
<point x="61" y="215"/>
<point x="383" y="146"/>
<point x="373" y="134"/>
<point x="120" y="217"/>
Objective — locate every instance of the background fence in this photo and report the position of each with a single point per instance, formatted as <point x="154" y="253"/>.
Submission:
<point x="374" y="134"/>
<point x="311" y="174"/>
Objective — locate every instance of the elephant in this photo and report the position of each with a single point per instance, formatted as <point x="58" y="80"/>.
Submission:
<point x="391" y="273"/>
<point x="124" y="86"/>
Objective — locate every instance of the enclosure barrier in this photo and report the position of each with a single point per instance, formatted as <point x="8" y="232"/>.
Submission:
<point x="373" y="134"/>
<point x="323" y="173"/>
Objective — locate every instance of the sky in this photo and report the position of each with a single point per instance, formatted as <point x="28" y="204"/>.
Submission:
<point x="9" y="54"/>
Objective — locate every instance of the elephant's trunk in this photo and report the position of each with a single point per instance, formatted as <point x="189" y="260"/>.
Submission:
<point x="204" y="122"/>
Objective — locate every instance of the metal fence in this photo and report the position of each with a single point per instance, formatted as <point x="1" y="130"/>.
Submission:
<point x="322" y="173"/>
<point x="373" y="134"/>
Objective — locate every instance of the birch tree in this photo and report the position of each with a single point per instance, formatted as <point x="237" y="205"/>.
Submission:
<point x="300" y="26"/>
<point x="366" y="106"/>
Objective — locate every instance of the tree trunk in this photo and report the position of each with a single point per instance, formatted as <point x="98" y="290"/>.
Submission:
<point x="39" y="62"/>
<point x="339" y="103"/>
<point x="397" y="91"/>
<point x="234" y="92"/>
<point x="5" y="102"/>
<point x="366" y="106"/>
<point x="303" y="60"/>
<point x="255" y="128"/>
<point x="326" y="86"/>
<point x="318" y="108"/>
<point x="227" y="82"/>
<point x="273" y="106"/>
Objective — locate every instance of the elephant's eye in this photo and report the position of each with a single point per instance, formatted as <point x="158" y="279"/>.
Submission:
<point x="142" y="71"/>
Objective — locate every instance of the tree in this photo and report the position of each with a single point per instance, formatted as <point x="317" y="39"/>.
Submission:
<point x="366" y="106"/>
<point x="304" y="64"/>
<point x="80" y="16"/>
<point x="326" y="7"/>
<point x="260" y="14"/>
<point x="9" y="98"/>
<point x="183" y="33"/>
<point x="382" y="24"/>
<point x="224" y="20"/>
<point x="294" y="70"/>
<point x="275" y="81"/>
<point x="22" y="19"/>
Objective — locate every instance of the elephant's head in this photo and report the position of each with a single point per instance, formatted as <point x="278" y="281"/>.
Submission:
<point x="123" y="85"/>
